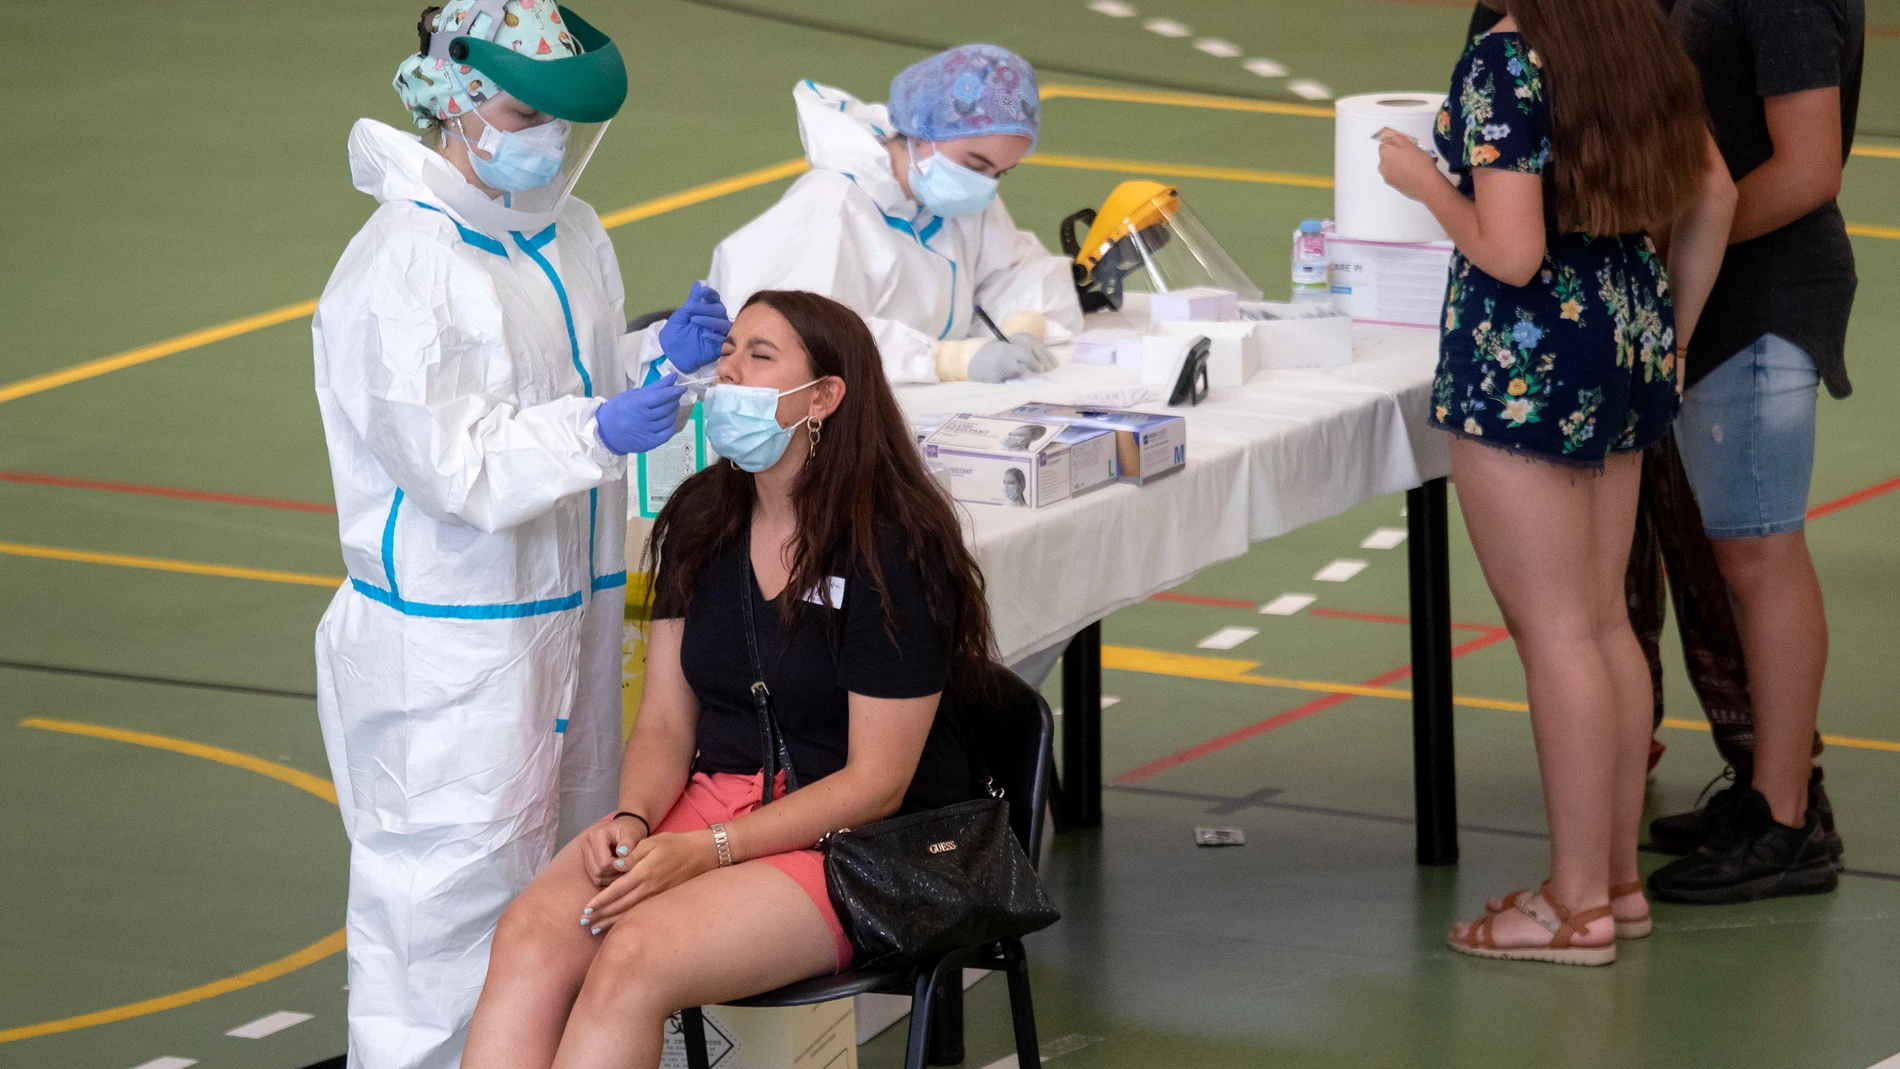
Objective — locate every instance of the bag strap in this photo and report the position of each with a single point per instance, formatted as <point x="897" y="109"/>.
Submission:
<point x="772" y="750"/>
<point x="772" y="746"/>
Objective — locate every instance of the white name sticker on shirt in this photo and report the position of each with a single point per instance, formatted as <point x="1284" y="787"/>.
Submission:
<point x="834" y="593"/>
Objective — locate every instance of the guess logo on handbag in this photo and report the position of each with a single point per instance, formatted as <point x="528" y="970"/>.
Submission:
<point x="943" y="847"/>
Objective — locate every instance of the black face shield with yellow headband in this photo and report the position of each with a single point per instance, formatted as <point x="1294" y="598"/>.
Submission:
<point x="1145" y="237"/>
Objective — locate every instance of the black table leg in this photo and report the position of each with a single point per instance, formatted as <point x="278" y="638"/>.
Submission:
<point x="1082" y="729"/>
<point x="1434" y="779"/>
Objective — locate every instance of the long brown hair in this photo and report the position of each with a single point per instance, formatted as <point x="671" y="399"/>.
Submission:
<point x="866" y="475"/>
<point x="1627" y="120"/>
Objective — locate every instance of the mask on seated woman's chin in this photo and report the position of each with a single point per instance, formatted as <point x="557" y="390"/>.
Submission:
<point x="742" y="424"/>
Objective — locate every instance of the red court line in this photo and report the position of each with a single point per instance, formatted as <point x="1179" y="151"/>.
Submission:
<point x="1298" y="712"/>
<point x="1855" y="498"/>
<point x="165" y="491"/>
<point x="1387" y="618"/>
<point x="1196" y="599"/>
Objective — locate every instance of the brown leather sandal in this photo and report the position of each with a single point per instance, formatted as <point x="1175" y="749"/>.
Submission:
<point x="1561" y="923"/>
<point x="1636" y="929"/>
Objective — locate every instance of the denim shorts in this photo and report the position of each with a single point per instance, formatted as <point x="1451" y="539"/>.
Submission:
<point x="1747" y="439"/>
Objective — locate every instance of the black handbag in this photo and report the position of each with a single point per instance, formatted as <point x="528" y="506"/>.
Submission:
<point x="911" y="887"/>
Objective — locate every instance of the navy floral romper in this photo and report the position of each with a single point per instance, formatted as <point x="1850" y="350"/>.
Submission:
<point x="1582" y="361"/>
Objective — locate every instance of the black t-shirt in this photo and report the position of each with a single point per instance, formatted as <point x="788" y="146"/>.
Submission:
<point x="836" y="649"/>
<point x="1797" y="281"/>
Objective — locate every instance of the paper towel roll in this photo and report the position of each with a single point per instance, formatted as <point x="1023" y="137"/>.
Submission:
<point x="1364" y="206"/>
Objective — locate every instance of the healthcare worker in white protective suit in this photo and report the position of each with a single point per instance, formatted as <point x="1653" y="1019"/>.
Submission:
<point x="472" y="384"/>
<point x="899" y="220"/>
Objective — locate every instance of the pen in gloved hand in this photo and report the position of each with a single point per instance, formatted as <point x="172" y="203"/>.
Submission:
<point x="990" y="323"/>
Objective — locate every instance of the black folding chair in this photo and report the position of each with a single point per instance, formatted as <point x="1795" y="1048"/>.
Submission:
<point x="641" y="322"/>
<point x="1016" y="734"/>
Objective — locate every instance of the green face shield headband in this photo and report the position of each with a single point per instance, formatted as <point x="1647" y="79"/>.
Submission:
<point x="586" y="88"/>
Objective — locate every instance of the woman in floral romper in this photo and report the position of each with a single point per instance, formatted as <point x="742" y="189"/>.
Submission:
<point x="1571" y="140"/>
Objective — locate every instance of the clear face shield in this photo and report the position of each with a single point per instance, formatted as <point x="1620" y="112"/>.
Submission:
<point x="1153" y="242"/>
<point x="526" y="164"/>
<point x="535" y="124"/>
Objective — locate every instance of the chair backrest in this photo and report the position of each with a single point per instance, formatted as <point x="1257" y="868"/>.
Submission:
<point x="1014" y="734"/>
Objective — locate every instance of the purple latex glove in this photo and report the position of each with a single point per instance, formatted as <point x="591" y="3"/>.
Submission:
<point x="636" y="420"/>
<point x="696" y="330"/>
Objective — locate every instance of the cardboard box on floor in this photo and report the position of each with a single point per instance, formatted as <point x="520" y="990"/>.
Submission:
<point x="802" y="1037"/>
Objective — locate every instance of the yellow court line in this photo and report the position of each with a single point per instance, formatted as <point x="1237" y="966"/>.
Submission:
<point x="297" y="778"/>
<point x="315" y="952"/>
<point x="701" y="194"/>
<point x="162" y="564"/>
<point x="1179" y="170"/>
<point x="1209" y="101"/>
<point x="199" y="338"/>
<point x="1868" y="230"/>
<point x="131" y="357"/>
<point x="1231" y="670"/>
<point x="1217" y="102"/>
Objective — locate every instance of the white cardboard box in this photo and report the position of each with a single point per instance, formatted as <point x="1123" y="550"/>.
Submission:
<point x="1236" y="351"/>
<point x="1301" y="335"/>
<point x="1389" y="284"/>
<point x="801" y="1037"/>
<point x="1001" y="461"/>
<point x="1114" y="346"/>
<point x="1148" y="445"/>
<point x="1163" y="355"/>
<point x="1200" y="304"/>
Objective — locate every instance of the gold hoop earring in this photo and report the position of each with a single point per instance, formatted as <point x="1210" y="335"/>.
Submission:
<point x="816" y="429"/>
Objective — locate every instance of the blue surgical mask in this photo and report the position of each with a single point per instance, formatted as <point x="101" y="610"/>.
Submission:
<point x="947" y="187"/>
<point x="742" y="424"/>
<point x="519" y="160"/>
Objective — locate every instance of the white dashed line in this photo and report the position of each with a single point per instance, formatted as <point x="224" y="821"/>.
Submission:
<point x="1114" y="9"/>
<point x="1107" y="700"/>
<point x="167" y="1062"/>
<point x="1287" y="604"/>
<point x="1384" y="538"/>
<point x="1166" y="28"/>
<point x="1309" y="89"/>
<point x="1265" y="68"/>
<point x="1339" y="571"/>
<point x="271" y="1025"/>
<point x="1227" y="638"/>
<point x="1217" y="48"/>
<point x="1054" y="1048"/>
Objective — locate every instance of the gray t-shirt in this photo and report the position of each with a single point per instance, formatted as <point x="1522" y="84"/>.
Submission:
<point x="1797" y="281"/>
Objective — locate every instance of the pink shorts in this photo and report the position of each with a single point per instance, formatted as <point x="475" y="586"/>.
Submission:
<point x="725" y="796"/>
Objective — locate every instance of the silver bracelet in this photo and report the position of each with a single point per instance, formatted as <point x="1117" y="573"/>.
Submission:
<point x="723" y="844"/>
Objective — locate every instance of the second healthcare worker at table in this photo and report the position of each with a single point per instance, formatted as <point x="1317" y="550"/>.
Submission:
<point x="468" y="673"/>
<point x="899" y="220"/>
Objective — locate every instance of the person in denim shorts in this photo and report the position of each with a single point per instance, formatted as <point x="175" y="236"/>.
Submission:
<point x="1782" y="82"/>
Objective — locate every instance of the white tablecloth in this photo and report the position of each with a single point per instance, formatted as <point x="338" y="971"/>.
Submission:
<point x="1286" y="450"/>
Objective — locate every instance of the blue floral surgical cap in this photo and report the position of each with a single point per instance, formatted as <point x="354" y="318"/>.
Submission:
<point x="968" y="91"/>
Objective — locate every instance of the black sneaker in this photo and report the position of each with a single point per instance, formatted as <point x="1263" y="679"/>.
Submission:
<point x="1749" y="856"/>
<point x="1824" y="809"/>
<point x="1681" y="833"/>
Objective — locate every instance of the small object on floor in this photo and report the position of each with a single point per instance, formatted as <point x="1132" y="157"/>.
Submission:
<point x="1681" y="833"/>
<point x="1749" y="856"/>
<point x="1219" y="837"/>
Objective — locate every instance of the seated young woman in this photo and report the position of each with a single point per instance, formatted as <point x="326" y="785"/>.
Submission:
<point x="866" y="605"/>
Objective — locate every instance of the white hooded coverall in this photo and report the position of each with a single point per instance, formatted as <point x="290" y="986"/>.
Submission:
<point x="845" y="229"/>
<point x="468" y="673"/>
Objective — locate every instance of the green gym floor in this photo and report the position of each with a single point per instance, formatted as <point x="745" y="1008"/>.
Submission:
<point x="171" y="864"/>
